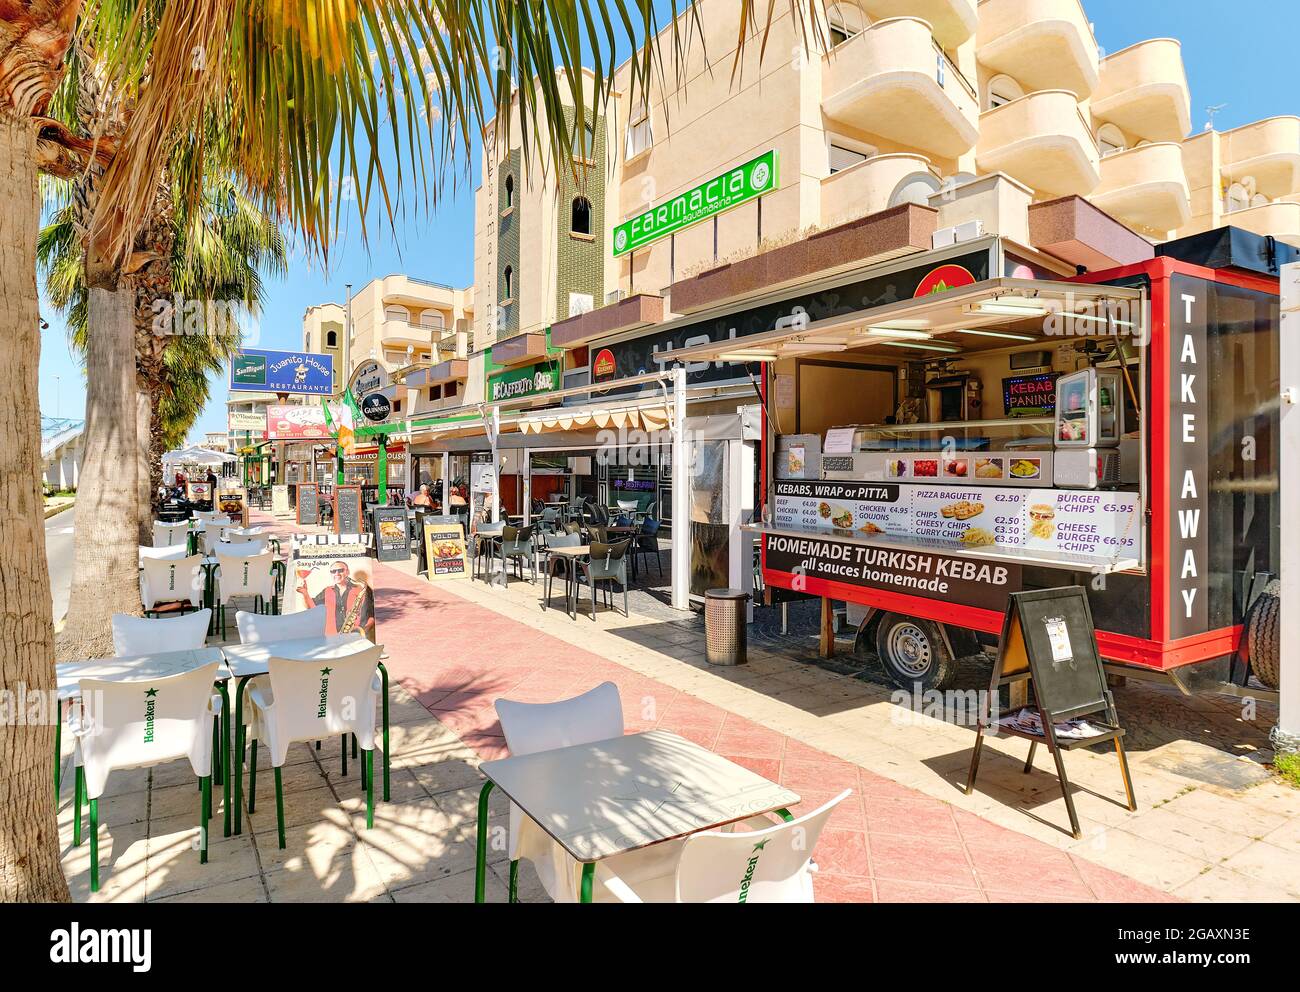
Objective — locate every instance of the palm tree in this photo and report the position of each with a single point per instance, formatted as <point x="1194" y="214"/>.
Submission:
<point x="294" y="84"/>
<point x="221" y="247"/>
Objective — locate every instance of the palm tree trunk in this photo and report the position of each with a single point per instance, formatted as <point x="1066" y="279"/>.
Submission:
<point x="105" y="561"/>
<point x="29" y="837"/>
<point x="144" y="493"/>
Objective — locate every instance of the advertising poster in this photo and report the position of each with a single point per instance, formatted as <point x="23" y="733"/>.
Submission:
<point x="198" y="492"/>
<point x="338" y="577"/>
<point x="256" y="371"/>
<point x="445" y="551"/>
<point x="245" y="421"/>
<point x="1098" y="524"/>
<point x="296" y="423"/>
<point x="280" y="500"/>
<point x="392" y="539"/>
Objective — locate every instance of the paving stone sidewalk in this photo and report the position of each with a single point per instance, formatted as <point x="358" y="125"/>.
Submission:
<point x="907" y="834"/>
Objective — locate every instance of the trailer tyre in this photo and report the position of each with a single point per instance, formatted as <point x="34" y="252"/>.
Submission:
<point x="913" y="651"/>
<point x="1262" y="635"/>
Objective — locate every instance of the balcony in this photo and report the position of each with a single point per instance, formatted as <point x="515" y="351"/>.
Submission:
<point x="1280" y="219"/>
<point x="1042" y="140"/>
<point x="1268" y="152"/>
<point x="894" y="81"/>
<point x="868" y="186"/>
<point x="392" y="333"/>
<point x="1145" y="187"/>
<point x="953" y="21"/>
<point x="1143" y="91"/>
<point x="1042" y="44"/>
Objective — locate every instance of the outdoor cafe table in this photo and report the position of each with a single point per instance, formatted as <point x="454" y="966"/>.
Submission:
<point x="574" y="555"/>
<point x="247" y="661"/>
<point x="608" y="798"/>
<point x="139" y="668"/>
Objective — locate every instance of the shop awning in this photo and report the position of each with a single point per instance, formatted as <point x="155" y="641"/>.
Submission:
<point x="1023" y="309"/>
<point x="648" y="418"/>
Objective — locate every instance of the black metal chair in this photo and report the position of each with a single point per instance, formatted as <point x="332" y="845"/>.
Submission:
<point x="647" y="543"/>
<point x="517" y="545"/>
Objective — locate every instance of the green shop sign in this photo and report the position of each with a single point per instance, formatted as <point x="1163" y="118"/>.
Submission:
<point x="732" y="188"/>
<point x="528" y="380"/>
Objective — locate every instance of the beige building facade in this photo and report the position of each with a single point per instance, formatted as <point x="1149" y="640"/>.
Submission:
<point x="874" y="104"/>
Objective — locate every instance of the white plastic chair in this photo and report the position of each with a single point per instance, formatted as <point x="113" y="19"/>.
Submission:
<point x="145" y="635"/>
<point x="168" y="535"/>
<point x="204" y="516"/>
<point x="770" y="864"/>
<point x="176" y="581"/>
<point x="236" y="536"/>
<point x="308" y="700"/>
<point x="256" y="627"/>
<point x="596" y="715"/>
<point x="240" y="549"/>
<point x="244" y="575"/>
<point x="173" y="552"/>
<point x="140" y="724"/>
<point x="214" y="533"/>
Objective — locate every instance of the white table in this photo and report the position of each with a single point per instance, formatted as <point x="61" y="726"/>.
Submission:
<point x="247" y="661"/>
<point x="611" y="797"/>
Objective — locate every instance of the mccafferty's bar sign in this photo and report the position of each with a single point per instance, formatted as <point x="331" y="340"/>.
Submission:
<point x="732" y="188"/>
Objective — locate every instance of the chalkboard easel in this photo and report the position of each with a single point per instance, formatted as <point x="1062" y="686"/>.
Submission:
<point x="1049" y="640"/>
<point x="308" y="496"/>
<point x="347" y="510"/>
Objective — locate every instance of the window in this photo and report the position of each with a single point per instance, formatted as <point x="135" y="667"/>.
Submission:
<point x="510" y="192"/>
<point x="1003" y="90"/>
<point x="580" y="216"/>
<point x="397" y="406"/>
<point x="331" y="339"/>
<point x="639" y="137"/>
<point x="841" y="158"/>
<point x="433" y="319"/>
<point x="1110" y="140"/>
<point x="1237" y="198"/>
<point x="845" y="21"/>
<point x="395" y="312"/>
<point x="449" y="390"/>
<point x="507" y="284"/>
<point x="916" y="188"/>
<point x="587" y="146"/>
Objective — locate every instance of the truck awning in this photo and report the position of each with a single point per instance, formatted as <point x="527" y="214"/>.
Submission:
<point x="1026" y="309"/>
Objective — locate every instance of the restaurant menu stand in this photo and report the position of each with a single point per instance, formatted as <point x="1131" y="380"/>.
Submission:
<point x="347" y="510"/>
<point x="1048" y="639"/>
<point x="308" y="503"/>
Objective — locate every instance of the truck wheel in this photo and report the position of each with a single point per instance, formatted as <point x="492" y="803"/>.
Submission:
<point x="1262" y="634"/>
<point x="913" y="651"/>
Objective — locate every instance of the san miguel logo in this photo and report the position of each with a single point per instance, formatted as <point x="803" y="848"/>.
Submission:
<point x="748" y="880"/>
<point x="324" y="693"/>
<point x="604" y="366"/>
<point x="944" y="278"/>
<point x="150" y="705"/>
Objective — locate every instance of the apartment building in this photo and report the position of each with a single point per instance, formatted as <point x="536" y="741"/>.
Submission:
<point x="407" y="325"/>
<point x="875" y="104"/>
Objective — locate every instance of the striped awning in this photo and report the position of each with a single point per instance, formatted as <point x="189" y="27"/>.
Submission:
<point x="648" y="418"/>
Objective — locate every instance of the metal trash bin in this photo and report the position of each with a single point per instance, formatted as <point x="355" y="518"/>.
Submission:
<point x="724" y="626"/>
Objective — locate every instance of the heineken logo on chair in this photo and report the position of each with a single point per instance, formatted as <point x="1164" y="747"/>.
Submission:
<point x="150" y="705"/>
<point x="324" y="693"/>
<point x="749" y="871"/>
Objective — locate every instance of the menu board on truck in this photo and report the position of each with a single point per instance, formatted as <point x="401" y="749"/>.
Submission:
<point x="1099" y="524"/>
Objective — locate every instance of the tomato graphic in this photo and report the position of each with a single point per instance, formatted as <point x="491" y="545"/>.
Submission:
<point x="944" y="278"/>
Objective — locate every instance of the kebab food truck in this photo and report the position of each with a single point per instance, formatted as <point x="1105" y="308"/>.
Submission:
<point x="1115" y="431"/>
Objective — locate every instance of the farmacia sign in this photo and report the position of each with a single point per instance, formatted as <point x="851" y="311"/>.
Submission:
<point x="732" y="188"/>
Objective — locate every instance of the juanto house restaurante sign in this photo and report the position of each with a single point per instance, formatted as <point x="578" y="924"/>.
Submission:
<point x="732" y="188"/>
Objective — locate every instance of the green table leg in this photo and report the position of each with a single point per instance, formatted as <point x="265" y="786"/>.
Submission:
<point x="480" y="854"/>
<point x="237" y="758"/>
<point x="223" y="688"/>
<point x="785" y="815"/>
<point x="383" y="674"/>
<point x="588" y="876"/>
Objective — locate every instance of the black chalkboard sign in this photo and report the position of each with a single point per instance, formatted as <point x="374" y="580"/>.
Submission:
<point x="1048" y="638"/>
<point x="392" y="539"/>
<point x="308" y="502"/>
<point x="347" y="510"/>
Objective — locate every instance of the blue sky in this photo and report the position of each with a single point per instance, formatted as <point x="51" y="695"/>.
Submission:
<point x="1241" y="55"/>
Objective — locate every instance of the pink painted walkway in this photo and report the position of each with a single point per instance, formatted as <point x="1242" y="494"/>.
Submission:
<point x="885" y="843"/>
